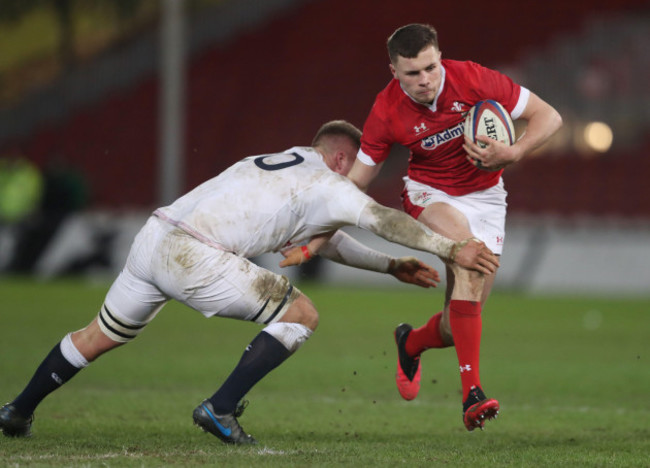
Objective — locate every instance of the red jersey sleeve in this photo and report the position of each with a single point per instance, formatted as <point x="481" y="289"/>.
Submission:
<point x="482" y="83"/>
<point x="377" y="137"/>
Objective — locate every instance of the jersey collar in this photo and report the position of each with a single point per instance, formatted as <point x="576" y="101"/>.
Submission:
<point x="306" y="152"/>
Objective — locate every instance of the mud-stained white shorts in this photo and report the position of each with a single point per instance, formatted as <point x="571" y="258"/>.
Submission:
<point x="166" y="263"/>
<point x="485" y="210"/>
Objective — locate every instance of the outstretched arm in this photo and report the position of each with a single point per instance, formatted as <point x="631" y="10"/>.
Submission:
<point x="396" y="226"/>
<point x="344" y="249"/>
<point x="361" y="174"/>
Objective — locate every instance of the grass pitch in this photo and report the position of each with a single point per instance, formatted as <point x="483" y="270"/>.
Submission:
<point x="572" y="376"/>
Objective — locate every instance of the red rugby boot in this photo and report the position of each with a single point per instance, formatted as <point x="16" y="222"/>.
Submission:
<point x="408" y="374"/>
<point x="478" y="408"/>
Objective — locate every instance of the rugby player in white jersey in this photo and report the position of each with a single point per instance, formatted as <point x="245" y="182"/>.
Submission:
<point x="195" y="251"/>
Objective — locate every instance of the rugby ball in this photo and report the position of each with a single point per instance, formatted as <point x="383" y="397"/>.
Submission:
<point x="489" y="118"/>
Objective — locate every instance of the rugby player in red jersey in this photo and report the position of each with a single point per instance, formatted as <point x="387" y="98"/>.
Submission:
<point x="423" y="108"/>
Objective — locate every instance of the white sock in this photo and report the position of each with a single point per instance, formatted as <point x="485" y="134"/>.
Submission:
<point x="71" y="353"/>
<point x="291" y="335"/>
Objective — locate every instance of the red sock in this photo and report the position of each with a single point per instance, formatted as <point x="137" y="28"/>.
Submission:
<point x="425" y="337"/>
<point x="466" y="326"/>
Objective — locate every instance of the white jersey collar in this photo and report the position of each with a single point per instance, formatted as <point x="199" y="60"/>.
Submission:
<point x="304" y="151"/>
<point x="307" y="152"/>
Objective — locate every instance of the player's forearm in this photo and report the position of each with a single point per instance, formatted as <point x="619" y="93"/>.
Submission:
<point x="396" y="226"/>
<point x="344" y="249"/>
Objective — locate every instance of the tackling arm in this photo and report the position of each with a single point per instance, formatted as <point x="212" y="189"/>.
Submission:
<point x="396" y="226"/>
<point x="344" y="249"/>
<point x="361" y="174"/>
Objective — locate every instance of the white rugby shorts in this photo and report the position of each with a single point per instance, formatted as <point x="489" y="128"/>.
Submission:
<point x="485" y="210"/>
<point x="166" y="263"/>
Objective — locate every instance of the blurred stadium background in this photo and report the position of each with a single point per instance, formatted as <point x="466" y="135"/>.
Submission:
<point x="110" y="108"/>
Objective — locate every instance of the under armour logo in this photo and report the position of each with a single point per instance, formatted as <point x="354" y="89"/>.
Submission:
<point x="420" y="128"/>
<point x="457" y="106"/>
<point x="465" y="368"/>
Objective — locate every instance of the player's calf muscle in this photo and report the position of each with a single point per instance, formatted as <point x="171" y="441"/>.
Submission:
<point x="92" y="342"/>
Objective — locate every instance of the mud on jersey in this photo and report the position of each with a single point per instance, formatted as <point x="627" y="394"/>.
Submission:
<point x="263" y="203"/>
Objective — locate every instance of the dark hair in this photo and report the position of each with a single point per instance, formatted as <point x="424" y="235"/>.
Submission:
<point x="408" y="41"/>
<point x="338" y="128"/>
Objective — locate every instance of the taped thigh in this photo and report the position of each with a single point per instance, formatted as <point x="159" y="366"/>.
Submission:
<point x="116" y="329"/>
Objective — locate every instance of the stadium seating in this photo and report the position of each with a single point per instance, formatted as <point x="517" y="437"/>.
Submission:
<point x="269" y="87"/>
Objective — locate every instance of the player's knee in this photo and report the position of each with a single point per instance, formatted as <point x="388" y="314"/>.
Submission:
<point x="466" y="275"/>
<point x="446" y="335"/>
<point x="308" y="315"/>
<point x="296" y="325"/>
<point x="468" y="284"/>
<point x="302" y="311"/>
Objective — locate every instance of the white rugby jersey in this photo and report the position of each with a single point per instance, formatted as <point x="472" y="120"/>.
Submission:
<point x="268" y="202"/>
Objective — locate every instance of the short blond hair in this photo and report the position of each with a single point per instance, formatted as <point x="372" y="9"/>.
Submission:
<point x="337" y="128"/>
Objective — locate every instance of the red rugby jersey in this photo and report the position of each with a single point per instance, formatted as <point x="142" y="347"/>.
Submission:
<point x="434" y="135"/>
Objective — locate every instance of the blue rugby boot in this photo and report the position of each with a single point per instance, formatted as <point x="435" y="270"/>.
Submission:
<point x="224" y="426"/>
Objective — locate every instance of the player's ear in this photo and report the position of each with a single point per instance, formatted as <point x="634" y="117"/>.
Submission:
<point x="392" y="70"/>
<point x="340" y="160"/>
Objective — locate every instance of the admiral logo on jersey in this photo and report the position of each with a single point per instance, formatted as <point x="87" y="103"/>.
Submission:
<point x="431" y="142"/>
